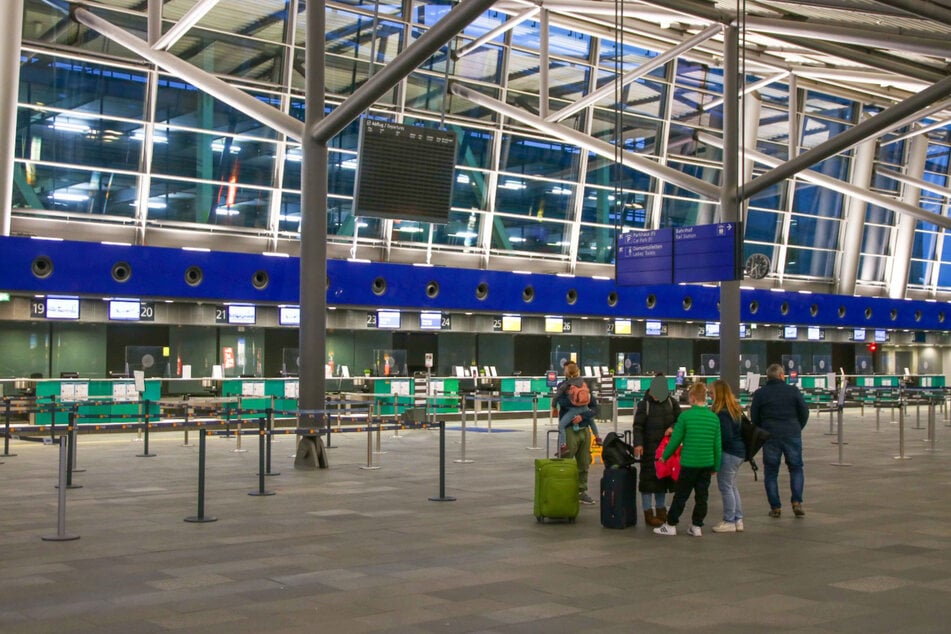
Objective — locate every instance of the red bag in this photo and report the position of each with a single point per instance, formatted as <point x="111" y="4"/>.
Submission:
<point x="669" y="468"/>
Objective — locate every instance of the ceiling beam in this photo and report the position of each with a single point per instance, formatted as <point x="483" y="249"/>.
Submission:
<point x="602" y="148"/>
<point x="840" y="186"/>
<point x="850" y="137"/>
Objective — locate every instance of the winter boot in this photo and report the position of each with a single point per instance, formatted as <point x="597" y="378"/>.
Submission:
<point x="661" y="515"/>
<point x="651" y="519"/>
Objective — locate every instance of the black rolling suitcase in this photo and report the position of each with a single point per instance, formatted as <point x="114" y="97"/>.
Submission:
<point x="619" y="497"/>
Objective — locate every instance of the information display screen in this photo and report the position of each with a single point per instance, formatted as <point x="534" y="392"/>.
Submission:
<point x="430" y="321"/>
<point x="790" y="332"/>
<point x="62" y="308"/>
<point x="390" y="319"/>
<point x="881" y="336"/>
<point x="622" y="326"/>
<point x="858" y="334"/>
<point x="511" y="323"/>
<point x="814" y="333"/>
<point x="711" y="329"/>
<point x="124" y="310"/>
<point x="554" y="324"/>
<point x="240" y="314"/>
<point x="653" y="328"/>
<point x="288" y="315"/>
<point x="404" y="172"/>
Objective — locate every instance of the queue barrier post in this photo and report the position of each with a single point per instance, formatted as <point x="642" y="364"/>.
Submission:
<point x="61" y="534"/>
<point x="932" y="416"/>
<point x="369" y="465"/>
<point x="145" y="446"/>
<point x="901" y="434"/>
<point x="270" y="435"/>
<point x="70" y="446"/>
<point x="534" y="424"/>
<point x="442" y="497"/>
<point x="462" y="441"/>
<point x="185" y="425"/>
<point x="840" y="439"/>
<point x="262" y="432"/>
<point x="7" y="413"/>
<point x="200" y="516"/>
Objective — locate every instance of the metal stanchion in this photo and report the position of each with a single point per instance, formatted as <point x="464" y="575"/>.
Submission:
<point x="831" y="431"/>
<point x="379" y="433"/>
<point x="488" y="415"/>
<point x="878" y="417"/>
<point x="7" y="405"/>
<point x="53" y="418"/>
<point x="270" y="435"/>
<point x="262" y="423"/>
<point x="370" y="466"/>
<point x="840" y="441"/>
<point x="185" y="425"/>
<point x="901" y="435"/>
<point x="442" y="497"/>
<point x="932" y="415"/>
<point x="462" y="442"/>
<point x="74" y="446"/>
<point x="71" y="451"/>
<point x="61" y="534"/>
<point x="200" y="517"/>
<point x="614" y="410"/>
<point x="534" y="423"/>
<point x="918" y="415"/>
<point x="237" y="433"/>
<point x="145" y="447"/>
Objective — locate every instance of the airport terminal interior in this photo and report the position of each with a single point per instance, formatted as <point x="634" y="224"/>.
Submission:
<point x="364" y="240"/>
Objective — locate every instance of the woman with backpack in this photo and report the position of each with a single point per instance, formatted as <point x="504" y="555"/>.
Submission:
<point x="728" y="409"/>
<point x="654" y="418"/>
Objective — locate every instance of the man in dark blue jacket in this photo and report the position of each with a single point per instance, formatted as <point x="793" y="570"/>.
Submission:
<point x="780" y="409"/>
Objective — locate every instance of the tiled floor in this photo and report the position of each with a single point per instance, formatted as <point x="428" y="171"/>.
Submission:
<point x="352" y="550"/>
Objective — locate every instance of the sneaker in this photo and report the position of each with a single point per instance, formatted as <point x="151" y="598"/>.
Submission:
<point x="775" y="513"/>
<point x="666" y="529"/>
<point x="739" y="526"/>
<point x="725" y="527"/>
<point x="797" y="509"/>
<point x="563" y="451"/>
<point x="584" y="498"/>
<point x="694" y="531"/>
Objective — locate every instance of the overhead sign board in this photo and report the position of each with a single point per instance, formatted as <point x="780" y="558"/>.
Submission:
<point x="704" y="253"/>
<point x="644" y="257"/>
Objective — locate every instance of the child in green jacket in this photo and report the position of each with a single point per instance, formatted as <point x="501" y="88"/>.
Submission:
<point x="698" y="430"/>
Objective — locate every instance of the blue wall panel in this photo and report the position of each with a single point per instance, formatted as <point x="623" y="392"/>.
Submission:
<point x="85" y="268"/>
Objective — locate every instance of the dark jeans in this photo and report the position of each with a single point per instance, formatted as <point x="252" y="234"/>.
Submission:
<point x="691" y="479"/>
<point x="774" y="450"/>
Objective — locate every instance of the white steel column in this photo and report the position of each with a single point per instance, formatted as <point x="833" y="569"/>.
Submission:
<point x="543" y="65"/>
<point x="905" y="228"/>
<point x="853" y="223"/>
<point x="10" y="79"/>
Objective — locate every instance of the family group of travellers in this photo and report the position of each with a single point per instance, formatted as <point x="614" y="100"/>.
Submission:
<point x="680" y="448"/>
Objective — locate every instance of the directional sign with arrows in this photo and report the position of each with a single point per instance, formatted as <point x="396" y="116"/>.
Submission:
<point x="704" y="253"/>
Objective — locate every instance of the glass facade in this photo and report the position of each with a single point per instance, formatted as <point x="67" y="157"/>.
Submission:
<point x="105" y="137"/>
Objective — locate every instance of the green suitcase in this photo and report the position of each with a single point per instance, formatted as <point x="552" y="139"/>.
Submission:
<point x="556" y="489"/>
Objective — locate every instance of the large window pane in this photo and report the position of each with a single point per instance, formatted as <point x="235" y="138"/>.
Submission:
<point x="512" y="235"/>
<point x="74" y="190"/>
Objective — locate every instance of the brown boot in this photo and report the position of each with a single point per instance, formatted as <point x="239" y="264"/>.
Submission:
<point x="650" y="519"/>
<point x="661" y="515"/>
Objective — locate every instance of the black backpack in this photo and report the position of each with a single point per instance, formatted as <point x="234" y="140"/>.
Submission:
<point x="615" y="452"/>
<point x="754" y="438"/>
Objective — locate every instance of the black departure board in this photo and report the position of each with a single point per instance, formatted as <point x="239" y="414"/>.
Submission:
<point x="404" y="172"/>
